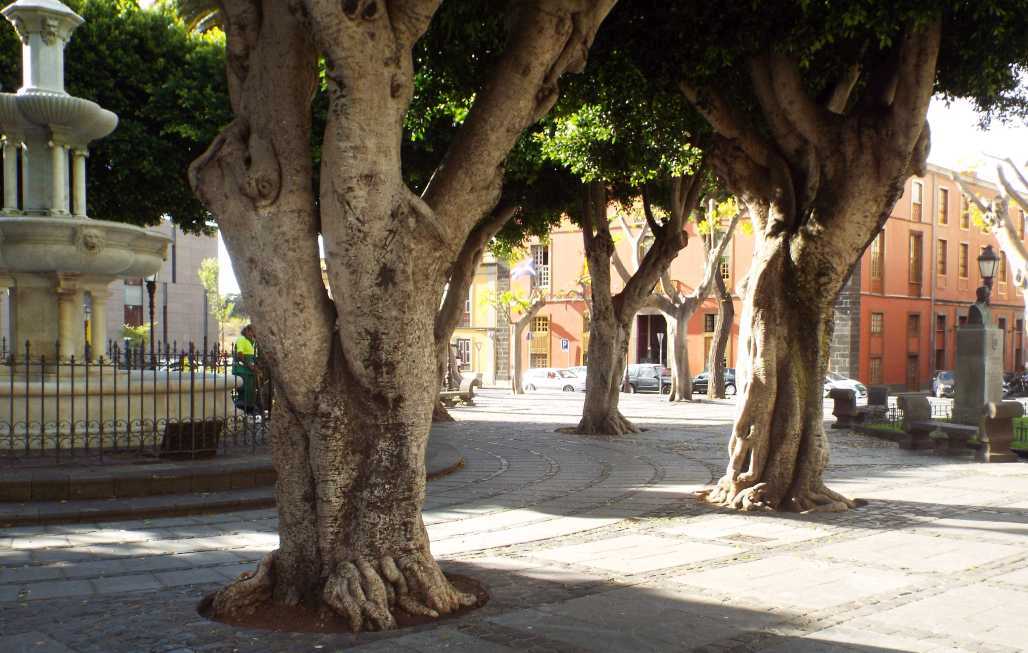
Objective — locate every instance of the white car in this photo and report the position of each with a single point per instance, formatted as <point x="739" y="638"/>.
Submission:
<point x="833" y="380"/>
<point x="551" y="378"/>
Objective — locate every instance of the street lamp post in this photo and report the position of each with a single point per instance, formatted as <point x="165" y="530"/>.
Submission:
<point x="151" y="290"/>
<point x="660" y="342"/>
<point x="979" y="369"/>
<point x="987" y="262"/>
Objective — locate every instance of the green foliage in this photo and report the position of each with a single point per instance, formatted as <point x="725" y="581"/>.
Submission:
<point x="168" y="88"/>
<point x="219" y="305"/>
<point x="983" y="51"/>
<point x="137" y="335"/>
<point x="508" y="301"/>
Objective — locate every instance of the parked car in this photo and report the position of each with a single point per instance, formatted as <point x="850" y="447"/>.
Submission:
<point x="647" y="377"/>
<point x="702" y="380"/>
<point x="551" y="378"/>
<point x="943" y="383"/>
<point x="833" y="381"/>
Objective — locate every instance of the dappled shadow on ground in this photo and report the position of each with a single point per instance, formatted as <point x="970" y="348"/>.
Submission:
<point x="531" y="608"/>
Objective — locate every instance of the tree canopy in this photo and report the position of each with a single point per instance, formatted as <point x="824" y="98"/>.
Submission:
<point x="167" y="86"/>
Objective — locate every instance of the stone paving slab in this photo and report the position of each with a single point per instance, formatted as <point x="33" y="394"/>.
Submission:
<point x="588" y="544"/>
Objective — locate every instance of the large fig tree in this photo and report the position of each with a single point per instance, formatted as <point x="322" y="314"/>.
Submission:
<point x="356" y="373"/>
<point x="819" y="115"/>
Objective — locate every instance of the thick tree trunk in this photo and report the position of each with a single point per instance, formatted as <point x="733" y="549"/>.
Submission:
<point x="681" y="381"/>
<point x="722" y="331"/>
<point x="778" y="448"/>
<point x="608" y="350"/>
<point x="354" y="403"/>
<point x="608" y="330"/>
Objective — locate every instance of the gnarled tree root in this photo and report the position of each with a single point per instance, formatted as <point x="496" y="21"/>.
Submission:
<point x="365" y="593"/>
<point x="754" y="497"/>
<point x="441" y="413"/>
<point x="248" y="592"/>
<point x="611" y="424"/>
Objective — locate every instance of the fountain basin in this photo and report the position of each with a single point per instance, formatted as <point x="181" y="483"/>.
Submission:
<point x="39" y="244"/>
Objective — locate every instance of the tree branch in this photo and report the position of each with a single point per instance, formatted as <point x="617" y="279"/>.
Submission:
<point x="725" y="122"/>
<point x="655" y="227"/>
<point x="462" y="272"/>
<point x="410" y="18"/>
<point x="713" y="265"/>
<point x="916" y="81"/>
<point x="806" y="116"/>
<point x="1011" y="191"/>
<point x="840" y="96"/>
<point x="1017" y="171"/>
<point x="549" y="38"/>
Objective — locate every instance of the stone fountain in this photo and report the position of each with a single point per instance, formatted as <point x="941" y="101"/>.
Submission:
<point x="52" y="255"/>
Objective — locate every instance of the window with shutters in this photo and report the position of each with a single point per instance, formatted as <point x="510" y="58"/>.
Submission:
<point x="916" y="200"/>
<point x="943" y="208"/>
<point x="940" y="258"/>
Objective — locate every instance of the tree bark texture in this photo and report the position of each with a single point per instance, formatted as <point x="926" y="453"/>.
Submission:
<point x="722" y="332"/>
<point x="354" y="403"/>
<point x="612" y="315"/>
<point x="819" y="182"/>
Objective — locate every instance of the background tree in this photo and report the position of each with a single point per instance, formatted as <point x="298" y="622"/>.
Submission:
<point x="621" y="137"/>
<point x="678" y="307"/>
<point x="354" y="404"/>
<point x="819" y="115"/>
<point x="167" y="87"/>
<point x="518" y="311"/>
<point x="220" y="307"/>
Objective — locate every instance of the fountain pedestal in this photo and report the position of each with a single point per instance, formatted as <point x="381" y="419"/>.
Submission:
<point x="52" y="255"/>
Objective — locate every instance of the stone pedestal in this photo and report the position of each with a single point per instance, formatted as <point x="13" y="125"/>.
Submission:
<point x="979" y="372"/>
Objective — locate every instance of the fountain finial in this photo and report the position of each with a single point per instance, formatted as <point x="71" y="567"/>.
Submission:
<point x="44" y="27"/>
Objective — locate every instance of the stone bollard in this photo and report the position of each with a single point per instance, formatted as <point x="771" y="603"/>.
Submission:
<point x="997" y="431"/>
<point x="845" y="409"/>
<point x="915" y="408"/>
<point x="878" y="400"/>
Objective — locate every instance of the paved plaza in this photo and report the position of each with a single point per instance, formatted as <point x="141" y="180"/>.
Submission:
<point x="589" y="544"/>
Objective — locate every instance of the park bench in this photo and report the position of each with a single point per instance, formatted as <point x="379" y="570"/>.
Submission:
<point x="998" y="431"/>
<point x="847" y="413"/>
<point x="920" y="431"/>
<point x="465" y="396"/>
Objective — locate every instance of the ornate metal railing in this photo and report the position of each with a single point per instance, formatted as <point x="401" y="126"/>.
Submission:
<point x="168" y="401"/>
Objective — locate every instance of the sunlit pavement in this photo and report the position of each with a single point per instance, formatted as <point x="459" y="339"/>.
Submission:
<point x="590" y="544"/>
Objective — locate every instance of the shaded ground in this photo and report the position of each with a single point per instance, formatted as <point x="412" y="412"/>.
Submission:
<point x="590" y="545"/>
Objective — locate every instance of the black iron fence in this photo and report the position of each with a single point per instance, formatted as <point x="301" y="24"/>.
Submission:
<point x="167" y="401"/>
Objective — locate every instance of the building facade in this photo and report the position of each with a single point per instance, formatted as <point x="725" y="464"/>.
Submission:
<point x="917" y="281"/>
<point x="482" y="336"/>
<point x="896" y="317"/>
<point x="559" y="333"/>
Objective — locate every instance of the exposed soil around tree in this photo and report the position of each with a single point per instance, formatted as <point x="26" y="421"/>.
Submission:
<point x="298" y="619"/>
<point x="573" y="430"/>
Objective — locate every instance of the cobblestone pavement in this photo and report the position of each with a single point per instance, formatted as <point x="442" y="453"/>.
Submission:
<point x="589" y="544"/>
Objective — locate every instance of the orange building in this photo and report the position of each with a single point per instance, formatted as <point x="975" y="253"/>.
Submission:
<point x="918" y="279"/>
<point x="896" y="319"/>
<point x="560" y="266"/>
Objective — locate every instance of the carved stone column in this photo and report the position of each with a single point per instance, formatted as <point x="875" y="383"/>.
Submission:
<point x="98" y="323"/>
<point x="69" y="317"/>
<point x="10" y="175"/>
<point x="59" y="169"/>
<point x="79" y="155"/>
